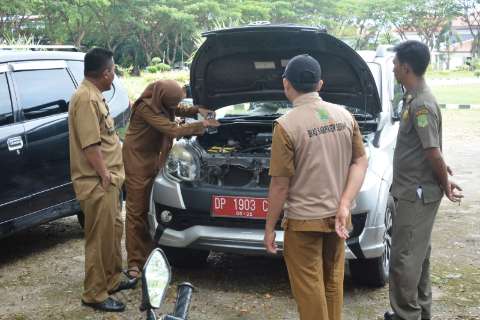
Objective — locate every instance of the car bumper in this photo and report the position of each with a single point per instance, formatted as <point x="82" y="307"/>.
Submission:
<point x="366" y="241"/>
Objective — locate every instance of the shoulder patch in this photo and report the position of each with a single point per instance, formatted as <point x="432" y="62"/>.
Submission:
<point x="422" y="120"/>
<point x="323" y="115"/>
<point x="421" y="110"/>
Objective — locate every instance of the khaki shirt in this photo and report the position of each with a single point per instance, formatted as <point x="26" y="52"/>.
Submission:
<point x="146" y="134"/>
<point x="282" y="164"/>
<point x="90" y="123"/>
<point x="420" y="129"/>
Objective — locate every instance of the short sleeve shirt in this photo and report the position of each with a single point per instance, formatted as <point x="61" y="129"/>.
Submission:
<point x="282" y="159"/>
<point x="420" y="129"/>
<point x="282" y="165"/>
<point x="90" y="123"/>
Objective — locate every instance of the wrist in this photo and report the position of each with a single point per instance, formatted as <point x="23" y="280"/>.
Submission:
<point x="345" y="204"/>
<point x="269" y="228"/>
<point x="105" y="174"/>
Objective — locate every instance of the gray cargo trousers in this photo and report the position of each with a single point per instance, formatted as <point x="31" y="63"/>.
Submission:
<point x="410" y="286"/>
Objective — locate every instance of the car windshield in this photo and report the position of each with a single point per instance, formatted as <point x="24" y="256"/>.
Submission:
<point x="270" y="109"/>
<point x="255" y="109"/>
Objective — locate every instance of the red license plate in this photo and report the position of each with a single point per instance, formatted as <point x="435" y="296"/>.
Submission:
<point x="239" y="207"/>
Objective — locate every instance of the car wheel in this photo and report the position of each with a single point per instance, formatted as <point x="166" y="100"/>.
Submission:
<point x="81" y="219"/>
<point x="185" y="258"/>
<point x="374" y="272"/>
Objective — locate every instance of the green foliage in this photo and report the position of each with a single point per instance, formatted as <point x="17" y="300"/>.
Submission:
<point x="477" y="73"/>
<point x="156" y="61"/>
<point x="163" y="67"/>
<point x="146" y="33"/>
<point x="152" y="69"/>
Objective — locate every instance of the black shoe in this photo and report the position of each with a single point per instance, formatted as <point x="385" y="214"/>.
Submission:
<point x="129" y="283"/>
<point x="388" y="315"/>
<point x="109" y="305"/>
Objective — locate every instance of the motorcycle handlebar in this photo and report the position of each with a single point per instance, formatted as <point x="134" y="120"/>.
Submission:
<point x="184" y="297"/>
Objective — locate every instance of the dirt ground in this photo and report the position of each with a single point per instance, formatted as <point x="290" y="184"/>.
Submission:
<point x="41" y="270"/>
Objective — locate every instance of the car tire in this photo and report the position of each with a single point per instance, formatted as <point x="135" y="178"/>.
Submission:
<point x="185" y="258"/>
<point x="374" y="272"/>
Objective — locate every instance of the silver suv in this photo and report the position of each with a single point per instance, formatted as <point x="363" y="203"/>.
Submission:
<point x="212" y="193"/>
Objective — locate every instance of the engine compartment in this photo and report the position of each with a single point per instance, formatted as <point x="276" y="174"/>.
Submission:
<point x="252" y="138"/>
<point x="238" y="154"/>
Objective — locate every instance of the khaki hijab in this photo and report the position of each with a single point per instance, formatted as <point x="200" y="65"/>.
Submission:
<point x="163" y="97"/>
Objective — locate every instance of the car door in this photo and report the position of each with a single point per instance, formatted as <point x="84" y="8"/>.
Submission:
<point x="43" y="90"/>
<point x="14" y="182"/>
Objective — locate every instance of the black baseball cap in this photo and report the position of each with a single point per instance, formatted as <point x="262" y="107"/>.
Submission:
<point x="303" y="72"/>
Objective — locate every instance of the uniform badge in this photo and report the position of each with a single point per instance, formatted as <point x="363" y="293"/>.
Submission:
<point x="323" y="115"/>
<point x="422" y="120"/>
<point x="422" y="117"/>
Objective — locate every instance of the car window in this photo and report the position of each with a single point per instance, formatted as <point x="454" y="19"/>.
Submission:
<point x="42" y="93"/>
<point x="6" y="112"/>
<point x="77" y="69"/>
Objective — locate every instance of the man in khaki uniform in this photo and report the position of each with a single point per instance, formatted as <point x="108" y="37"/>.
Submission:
<point x="317" y="165"/>
<point x="97" y="175"/>
<point x="420" y="178"/>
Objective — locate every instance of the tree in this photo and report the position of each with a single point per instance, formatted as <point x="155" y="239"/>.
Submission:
<point x="471" y="15"/>
<point x="16" y="17"/>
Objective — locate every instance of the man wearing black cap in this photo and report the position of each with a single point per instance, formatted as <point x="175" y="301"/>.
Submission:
<point x="317" y="166"/>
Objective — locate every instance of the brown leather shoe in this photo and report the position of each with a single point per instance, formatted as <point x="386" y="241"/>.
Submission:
<point x="108" y="305"/>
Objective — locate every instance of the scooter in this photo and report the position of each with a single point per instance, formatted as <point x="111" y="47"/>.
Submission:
<point x="156" y="277"/>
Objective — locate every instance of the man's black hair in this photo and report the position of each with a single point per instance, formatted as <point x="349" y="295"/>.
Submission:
<point x="415" y="54"/>
<point x="96" y="61"/>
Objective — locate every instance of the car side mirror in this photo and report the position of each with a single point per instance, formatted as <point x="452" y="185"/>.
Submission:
<point x="397" y="111"/>
<point x="155" y="279"/>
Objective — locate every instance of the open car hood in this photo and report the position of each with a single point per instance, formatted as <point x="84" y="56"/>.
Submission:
<point x="246" y="64"/>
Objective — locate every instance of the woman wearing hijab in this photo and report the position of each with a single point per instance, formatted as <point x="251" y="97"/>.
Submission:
<point x="147" y="142"/>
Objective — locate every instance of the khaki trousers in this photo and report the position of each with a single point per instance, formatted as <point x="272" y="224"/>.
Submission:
<point x="103" y="235"/>
<point x="138" y="240"/>
<point x="315" y="263"/>
<point x="410" y="286"/>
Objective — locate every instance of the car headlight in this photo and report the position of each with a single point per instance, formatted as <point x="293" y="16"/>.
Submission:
<point x="182" y="163"/>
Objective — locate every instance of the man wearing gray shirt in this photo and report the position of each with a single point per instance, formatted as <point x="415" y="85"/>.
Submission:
<point x="420" y="178"/>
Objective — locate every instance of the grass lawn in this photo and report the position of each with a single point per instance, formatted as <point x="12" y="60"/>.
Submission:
<point x="456" y="94"/>
<point x="136" y="85"/>
<point x="449" y="74"/>
<point x="461" y="94"/>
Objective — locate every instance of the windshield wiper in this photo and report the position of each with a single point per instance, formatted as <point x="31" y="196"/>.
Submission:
<point x="273" y="115"/>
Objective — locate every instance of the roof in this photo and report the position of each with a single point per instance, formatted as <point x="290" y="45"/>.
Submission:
<point x="12" y="55"/>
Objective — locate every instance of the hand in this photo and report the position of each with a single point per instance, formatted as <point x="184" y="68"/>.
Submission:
<point x="106" y="180"/>
<point x="210" y="123"/>
<point x="341" y="222"/>
<point x="451" y="194"/>
<point x="269" y="242"/>
<point x="205" y="113"/>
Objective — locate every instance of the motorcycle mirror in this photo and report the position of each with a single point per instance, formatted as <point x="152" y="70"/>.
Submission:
<point x="156" y="278"/>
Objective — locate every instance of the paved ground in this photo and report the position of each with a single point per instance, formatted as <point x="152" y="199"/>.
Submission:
<point x="41" y="270"/>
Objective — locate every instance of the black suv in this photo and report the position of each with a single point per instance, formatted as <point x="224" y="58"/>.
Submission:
<point x="35" y="89"/>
